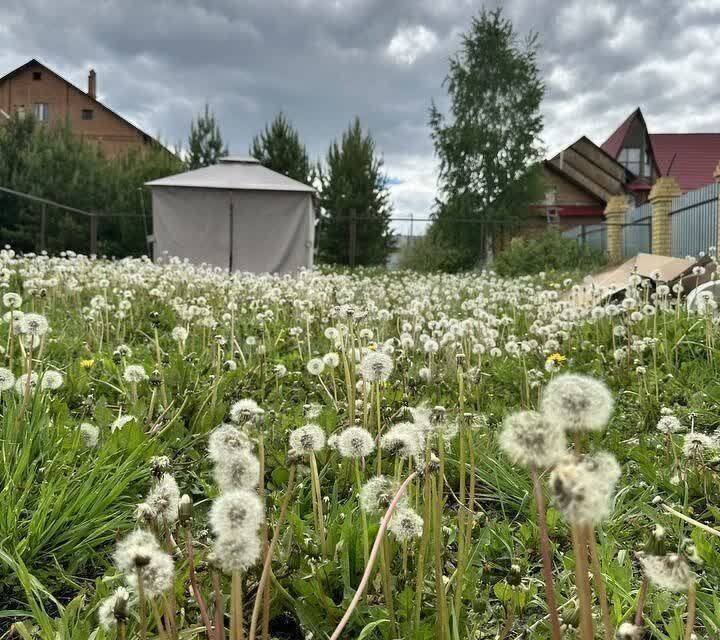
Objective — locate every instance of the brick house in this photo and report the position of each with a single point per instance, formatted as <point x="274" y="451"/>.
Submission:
<point x="34" y="88"/>
<point x="583" y="177"/>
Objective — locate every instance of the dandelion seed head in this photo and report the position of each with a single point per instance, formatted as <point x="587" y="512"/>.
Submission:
<point x="376" y="367"/>
<point x="405" y="524"/>
<point x="164" y="498"/>
<point x="22" y="382"/>
<point x="331" y="360"/>
<point x="33" y="324"/>
<point x="114" y="608"/>
<point x="89" y="434"/>
<point x="628" y="631"/>
<point x="226" y="440"/>
<point x="7" y="379"/>
<point x="583" y="488"/>
<point x="315" y="366"/>
<point x="134" y="374"/>
<point x="670" y="572"/>
<point x="404" y="440"/>
<point x="307" y="439"/>
<point x="237" y="469"/>
<point x="235" y="512"/>
<point x="121" y="421"/>
<point x="669" y="424"/>
<point x="532" y="442"/>
<point x="575" y="402"/>
<point x="51" y="380"/>
<point x="237" y="553"/>
<point x="377" y="494"/>
<point x="354" y="442"/>
<point x="698" y="445"/>
<point x="244" y="410"/>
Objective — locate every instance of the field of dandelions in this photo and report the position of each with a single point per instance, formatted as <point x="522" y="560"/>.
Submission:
<point x="365" y="456"/>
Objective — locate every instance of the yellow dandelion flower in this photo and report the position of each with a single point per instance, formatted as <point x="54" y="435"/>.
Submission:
<point x="87" y="364"/>
<point x="557" y="358"/>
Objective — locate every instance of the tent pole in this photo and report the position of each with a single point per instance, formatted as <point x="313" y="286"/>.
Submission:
<point x="230" y="266"/>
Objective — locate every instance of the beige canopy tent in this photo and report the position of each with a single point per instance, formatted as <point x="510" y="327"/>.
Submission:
<point x="237" y="215"/>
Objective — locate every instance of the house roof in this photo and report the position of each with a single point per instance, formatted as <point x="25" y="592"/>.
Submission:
<point x="231" y="173"/>
<point x="613" y="144"/>
<point x="34" y="62"/>
<point x="690" y="158"/>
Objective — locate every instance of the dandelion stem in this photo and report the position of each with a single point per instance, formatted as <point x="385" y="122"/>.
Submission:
<point x="642" y="594"/>
<point x="690" y="520"/>
<point x="142" y="604"/>
<point x="363" y="517"/>
<point x="318" y="502"/>
<point x="267" y="564"/>
<point x="158" y="620"/>
<point x="236" y="613"/>
<point x="219" y="614"/>
<point x="600" y="584"/>
<point x="555" y="631"/>
<point x="420" y="566"/>
<point x="583" y="585"/>
<point x="438" y="546"/>
<point x="193" y="581"/>
<point x="373" y="556"/>
<point x="690" y="622"/>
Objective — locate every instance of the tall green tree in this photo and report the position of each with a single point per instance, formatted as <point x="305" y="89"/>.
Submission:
<point x="278" y="147"/>
<point x="205" y="143"/>
<point x="489" y="143"/>
<point x="354" y="225"/>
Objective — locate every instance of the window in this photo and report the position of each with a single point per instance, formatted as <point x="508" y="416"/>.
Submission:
<point x="42" y="111"/>
<point x="87" y="114"/>
<point x="37" y="75"/>
<point x="630" y="158"/>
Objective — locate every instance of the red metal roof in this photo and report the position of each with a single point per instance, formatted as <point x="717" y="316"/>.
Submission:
<point x="690" y="158"/>
<point x="614" y="142"/>
<point x="639" y="185"/>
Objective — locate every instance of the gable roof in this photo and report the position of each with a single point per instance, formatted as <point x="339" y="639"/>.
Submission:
<point x="690" y="158"/>
<point x="233" y="173"/>
<point x="613" y="144"/>
<point x="34" y="62"/>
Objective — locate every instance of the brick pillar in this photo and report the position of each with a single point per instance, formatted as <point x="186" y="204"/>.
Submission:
<point x="716" y="175"/>
<point x="615" y="212"/>
<point x="661" y="195"/>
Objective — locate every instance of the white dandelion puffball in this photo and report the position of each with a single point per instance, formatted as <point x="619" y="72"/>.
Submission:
<point x="121" y="421"/>
<point x="236" y="512"/>
<point x="226" y="440"/>
<point x="179" y="334"/>
<point x="7" y="379"/>
<point x="164" y="498"/>
<point x="280" y="370"/>
<point x="629" y="631"/>
<point x="315" y="366"/>
<point x="244" y="410"/>
<point x="238" y="553"/>
<point x="33" y="324"/>
<point x="51" y="380"/>
<point x="669" y="572"/>
<point x="22" y="382"/>
<point x="239" y="469"/>
<point x="403" y="440"/>
<point x="117" y="602"/>
<point x="669" y="424"/>
<point x="377" y="494"/>
<point x="89" y="434"/>
<point x="405" y="524"/>
<point x="158" y="575"/>
<point x="583" y="489"/>
<point x="140" y="551"/>
<point x="376" y="367"/>
<point x="354" y="442"/>
<point x="12" y="300"/>
<point x="431" y="346"/>
<point x="134" y="373"/>
<point x="134" y="550"/>
<point x="697" y="445"/>
<point x="576" y="403"/>
<point x="331" y="360"/>
<point x="532" y="442"/>
<point x="307" y="439"/>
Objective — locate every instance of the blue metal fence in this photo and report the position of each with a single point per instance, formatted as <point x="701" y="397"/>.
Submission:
<point x="693" y="221"/>
<point x="593" y="235"/>
<point x="637" y="231"/>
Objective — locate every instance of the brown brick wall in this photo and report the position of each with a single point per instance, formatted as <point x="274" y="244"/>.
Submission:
<point x="113" y="134"/>
<point x="567" y="192"/>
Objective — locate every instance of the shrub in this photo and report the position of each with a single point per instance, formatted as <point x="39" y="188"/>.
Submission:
<point x="549" y="251"/>
<point x="432" y="253"/>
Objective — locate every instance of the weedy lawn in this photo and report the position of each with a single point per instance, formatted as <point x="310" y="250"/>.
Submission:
<point x="190" y="455"/>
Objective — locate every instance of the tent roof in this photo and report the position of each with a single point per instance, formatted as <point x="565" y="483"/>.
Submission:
<point x="233" y="173"/>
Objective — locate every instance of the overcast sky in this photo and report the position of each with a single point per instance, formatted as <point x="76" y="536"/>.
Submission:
<point x="325" y="61"/>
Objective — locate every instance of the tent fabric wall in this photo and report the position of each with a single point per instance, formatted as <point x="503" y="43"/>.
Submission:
<point x="272" y="231"/>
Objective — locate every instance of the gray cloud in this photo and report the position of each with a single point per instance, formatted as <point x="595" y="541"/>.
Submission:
<point x="325" y="61"/>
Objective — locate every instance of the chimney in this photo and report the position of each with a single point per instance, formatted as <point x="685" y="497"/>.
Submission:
<point x="92" y="84"/>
